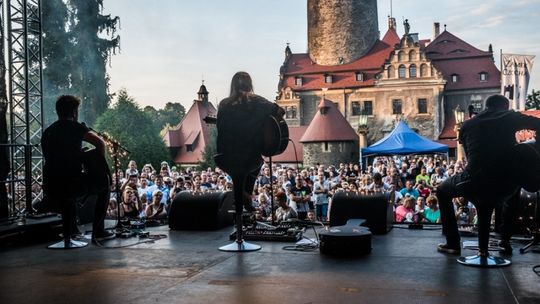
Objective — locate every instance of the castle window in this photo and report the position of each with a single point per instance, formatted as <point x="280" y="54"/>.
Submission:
<point x="326" y="147"/>
<point x="396" y="106"/>
<point x="359" y="76"/>
<point x="298" y="80"/>
<point x="412" y="71"/>
<point x="483" y="76"/>
<point x="356" y="108"/>
<point x="327" y="78"/>
<point x="290" y="112"/>
<point x="455" y="77"/>
<point x="368" y="107"/>
<point x="401" y="71"/>
<point x="422" y="106"/>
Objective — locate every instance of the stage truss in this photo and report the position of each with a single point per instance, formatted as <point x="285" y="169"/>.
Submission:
<point x="21" y="34"/>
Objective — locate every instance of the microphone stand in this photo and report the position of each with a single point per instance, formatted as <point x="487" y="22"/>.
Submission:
<point x="117" y="148"/>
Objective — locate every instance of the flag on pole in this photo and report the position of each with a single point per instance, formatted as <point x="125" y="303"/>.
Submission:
<point x="515" y="75"/>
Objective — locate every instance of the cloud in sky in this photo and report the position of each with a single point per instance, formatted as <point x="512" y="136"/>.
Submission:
<point x="168" y="45"/>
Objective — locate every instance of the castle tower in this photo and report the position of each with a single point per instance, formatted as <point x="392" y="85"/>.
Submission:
<point x="341" y="31"/>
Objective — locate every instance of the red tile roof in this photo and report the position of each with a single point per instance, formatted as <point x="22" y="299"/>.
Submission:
<point x="391" y="37"/>
<point x="451" y="55"/>
<point x="448" y="131"/>
<point x="192" y="130"/>
<point x="331" y="126"/>
<point x="289" y="155"/>
<point x="344" y="76"/>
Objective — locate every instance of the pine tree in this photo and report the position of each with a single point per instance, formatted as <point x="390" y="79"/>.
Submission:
<point x="57" y="56"/>
<point x="91" y="53"/>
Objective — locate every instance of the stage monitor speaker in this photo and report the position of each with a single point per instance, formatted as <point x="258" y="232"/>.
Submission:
<point x="209" y="211"/>
<point x="375" y="209"/>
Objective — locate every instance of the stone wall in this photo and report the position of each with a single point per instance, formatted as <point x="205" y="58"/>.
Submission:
<point x="331" y="153"/>
<point x="341" y="31"/>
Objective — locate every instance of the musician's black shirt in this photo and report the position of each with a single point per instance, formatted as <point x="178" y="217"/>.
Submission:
<point x="240" y="125"/>
<point x="61" y="144"/>
<point x="488" y="139"/>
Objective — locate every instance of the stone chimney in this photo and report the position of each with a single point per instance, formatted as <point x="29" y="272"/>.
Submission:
<point x="341" y="31"/>
<point x="436" y="29"/>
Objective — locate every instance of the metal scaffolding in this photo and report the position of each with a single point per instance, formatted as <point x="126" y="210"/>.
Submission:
<point x="22" y="36"/>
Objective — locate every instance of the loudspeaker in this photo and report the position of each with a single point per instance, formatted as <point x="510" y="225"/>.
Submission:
<point x="209" y="211"/>
<point x="375" y="209"/>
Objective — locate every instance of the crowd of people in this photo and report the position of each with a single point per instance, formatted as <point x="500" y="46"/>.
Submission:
<point x="410" y="183"/>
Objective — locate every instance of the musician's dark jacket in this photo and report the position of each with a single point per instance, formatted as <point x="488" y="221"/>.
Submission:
<point x="489" y="139"/>
<point x="240" y="126"/>
<point x="61" y="145"/>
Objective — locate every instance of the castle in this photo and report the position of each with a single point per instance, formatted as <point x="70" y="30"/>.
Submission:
<point x="391" y="78"/>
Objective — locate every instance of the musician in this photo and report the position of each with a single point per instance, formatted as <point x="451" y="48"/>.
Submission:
<point x="240" y="121"/>
<point x="488" y="139"/>
<point x="62" y="172"/>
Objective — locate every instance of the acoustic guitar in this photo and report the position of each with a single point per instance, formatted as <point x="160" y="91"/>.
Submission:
<point x="275" y="134"/>
<point x="527" y="167"/>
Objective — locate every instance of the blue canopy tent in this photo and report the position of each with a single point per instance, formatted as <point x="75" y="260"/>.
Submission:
<point x="404" y="141"/>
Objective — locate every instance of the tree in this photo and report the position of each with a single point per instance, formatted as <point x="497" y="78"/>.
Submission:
<point x="77" y="44"/>
<point x="210" y="149"/>
<point x="127" y="123"/>
<point x="171" y="114"/>
<point x="533" y="101"/>
<point x="57" y="56"/>
<point x="91" y="52"/>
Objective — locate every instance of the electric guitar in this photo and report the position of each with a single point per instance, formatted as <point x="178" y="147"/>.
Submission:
<point x="275" y="134"/>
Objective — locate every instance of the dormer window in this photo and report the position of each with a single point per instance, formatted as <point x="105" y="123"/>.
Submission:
<point x="401" y="71"/>
<point x="327" y="78"/>
<point x="298" y="80"/>
<point x="359" y="76"/>
<point x="455" y="77"/>
<point x="412" y="71"/>
<point x="483" y="76"/>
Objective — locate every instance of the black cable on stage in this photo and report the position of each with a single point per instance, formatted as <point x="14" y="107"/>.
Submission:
<point x="311" y="246"/>
<point x="536" y="269"/>
<point x="149" y="239"/>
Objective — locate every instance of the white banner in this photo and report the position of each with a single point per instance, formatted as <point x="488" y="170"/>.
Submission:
<point x="515" y="75"/>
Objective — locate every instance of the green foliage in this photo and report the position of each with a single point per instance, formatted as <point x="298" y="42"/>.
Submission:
<point x="210" y="149"/>
<point x="533" y="101"/>
<point x="77" y="44"/>
<point x="171" y="114"/>
<point x="127" y="123"/>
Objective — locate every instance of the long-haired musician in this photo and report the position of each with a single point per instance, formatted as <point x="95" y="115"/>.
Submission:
<point x="240" y="122"/>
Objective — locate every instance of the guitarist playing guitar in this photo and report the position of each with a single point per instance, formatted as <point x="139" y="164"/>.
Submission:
<point x="241" y="120"/>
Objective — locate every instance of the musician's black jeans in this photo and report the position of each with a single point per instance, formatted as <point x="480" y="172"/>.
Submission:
<point x="462" y="185"/>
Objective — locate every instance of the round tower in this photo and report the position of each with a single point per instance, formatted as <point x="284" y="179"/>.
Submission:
<point x="341" y="31"/>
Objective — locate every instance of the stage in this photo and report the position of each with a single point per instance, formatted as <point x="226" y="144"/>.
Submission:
<point x="186" y="267"/>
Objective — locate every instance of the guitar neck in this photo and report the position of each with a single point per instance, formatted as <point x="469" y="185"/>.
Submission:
<point x="210" y="120"/>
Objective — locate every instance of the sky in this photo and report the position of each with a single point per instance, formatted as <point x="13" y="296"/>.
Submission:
<point x="169" y="46"/>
